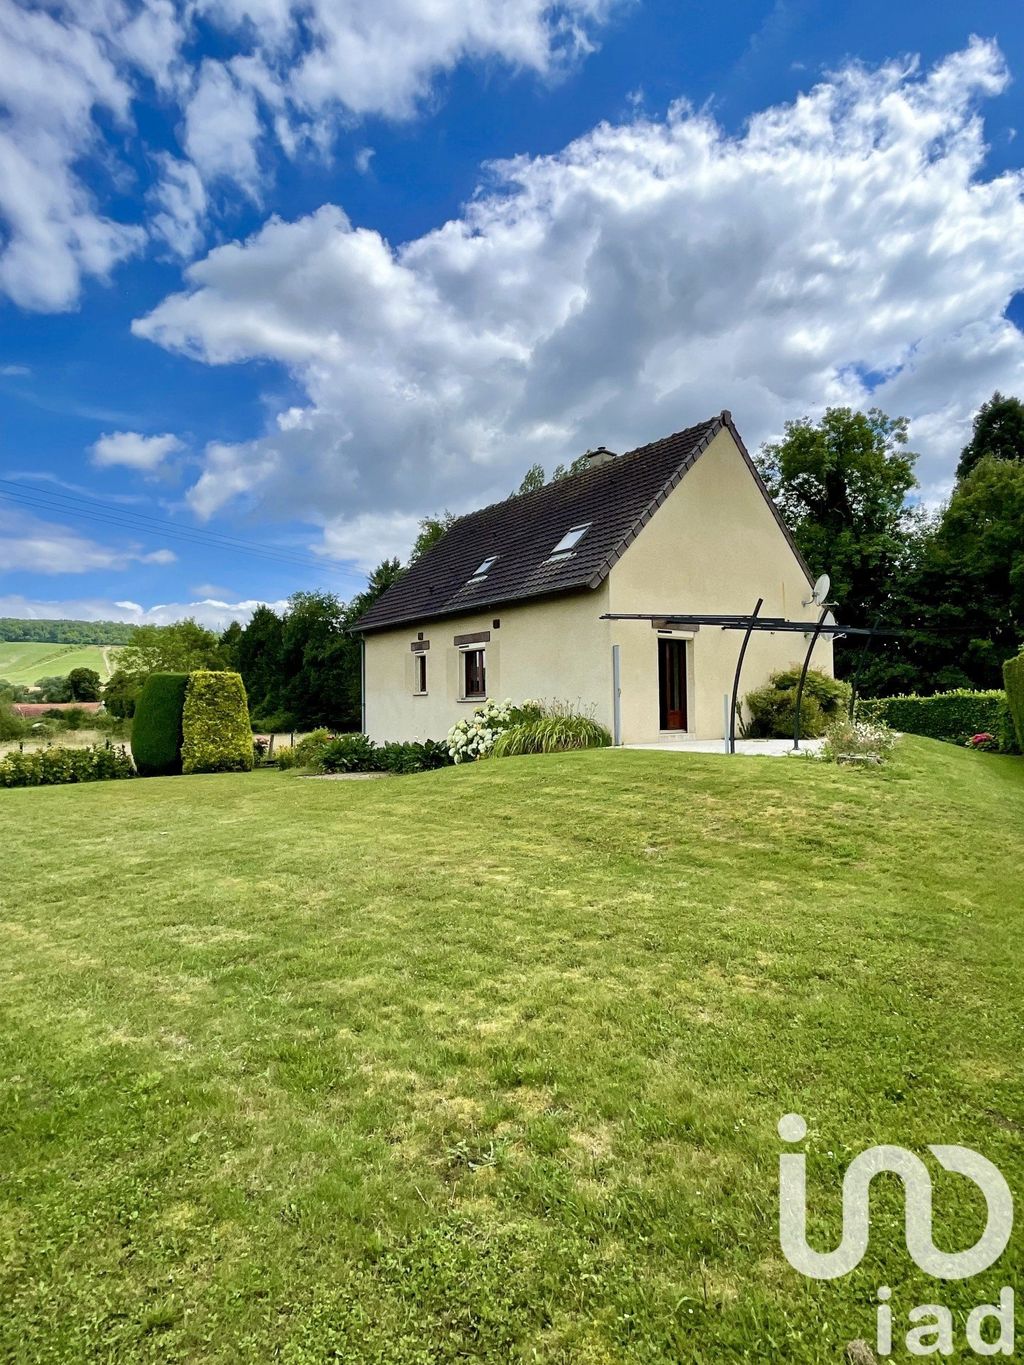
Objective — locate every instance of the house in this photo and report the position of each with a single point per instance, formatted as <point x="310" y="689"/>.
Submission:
<point x="35" y="710"/>
<point x="512" y="600"/>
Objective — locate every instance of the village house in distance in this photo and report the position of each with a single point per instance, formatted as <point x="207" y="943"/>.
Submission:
<point x="510" y="601"/>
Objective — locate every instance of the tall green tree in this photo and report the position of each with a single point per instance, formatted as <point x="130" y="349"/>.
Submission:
<point x="181" y="647"/>
<point x="315" y="656"/>
<point x="841" y="485"/>
<point x="431" y="531"/>
<point x="83" y="684"/>
<point x="998" y="431"/>
<point x="973" y="586"/>
<point x="258" y="657"/>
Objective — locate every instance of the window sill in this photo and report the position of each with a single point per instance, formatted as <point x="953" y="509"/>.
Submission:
<point x="472" y="701"/>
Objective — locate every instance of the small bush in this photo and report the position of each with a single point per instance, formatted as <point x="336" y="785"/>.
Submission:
<point x="771" y="712"/>
<point x="983" y="743"/>
<point x="831" y="694"/>
<point x="348" y="754"/>
<point x="950" y="716"/>
<point x="1013" y="679"/>
<point x="551" y="735"/>
<point x="474" y="737"/>
<point x="156" y="729"/>
<point x="306" y="753"/>
<point x="857" y="741"/>
<point x="51" y="767"/>
<point x="412" y="757"/>
<point x="216" y="735"/>
<point x="12" y="726"/>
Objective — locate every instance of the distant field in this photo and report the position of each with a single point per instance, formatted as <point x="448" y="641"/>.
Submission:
<point x="27" y="663"/>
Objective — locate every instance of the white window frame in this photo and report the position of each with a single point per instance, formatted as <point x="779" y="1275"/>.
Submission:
<point x="566" y="547"/>
<point x="419" y="660"/>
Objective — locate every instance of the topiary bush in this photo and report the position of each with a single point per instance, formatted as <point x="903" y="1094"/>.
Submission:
<point x="156" y="729"/>
<point x="216" y="734"/>
<point x="1013" y="679"/>
<point x="52" y="767"/>
<point x="950" y="716"/>
<point x="551" y="735"/>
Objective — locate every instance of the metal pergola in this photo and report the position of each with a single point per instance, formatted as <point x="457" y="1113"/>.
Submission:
<point x="749" y="623"/>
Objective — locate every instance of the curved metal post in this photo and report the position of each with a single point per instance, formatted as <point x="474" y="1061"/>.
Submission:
<point x="739" y="669"/>
<point x="803" y="674"/>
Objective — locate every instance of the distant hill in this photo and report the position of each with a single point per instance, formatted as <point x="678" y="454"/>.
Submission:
<point x="26" y="661"/>
<point x="65" y="632"/>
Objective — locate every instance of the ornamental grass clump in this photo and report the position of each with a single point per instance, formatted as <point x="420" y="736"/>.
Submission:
<point x="552" y="734"/>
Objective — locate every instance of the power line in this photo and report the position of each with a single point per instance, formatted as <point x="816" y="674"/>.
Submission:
<point x="140" y="522"/>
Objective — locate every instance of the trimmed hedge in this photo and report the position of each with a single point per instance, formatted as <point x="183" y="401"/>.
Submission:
<point x="51" y="767"/>
<point x="216" y="734"/>
<point x="951" y="716"/>
<point x="157" y="728"/>
<point x="1013" y="677"/>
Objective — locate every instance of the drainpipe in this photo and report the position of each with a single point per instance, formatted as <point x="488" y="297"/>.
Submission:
<point x="362" y="684"/>
<point x="616" y="698"/>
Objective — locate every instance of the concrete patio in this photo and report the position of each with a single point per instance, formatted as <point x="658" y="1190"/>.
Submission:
<point x="764" y="748"/>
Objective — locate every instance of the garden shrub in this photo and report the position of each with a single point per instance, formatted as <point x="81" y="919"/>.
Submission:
<point x="951" y="716"/>
<point x="831" y="694"/>
<point x="551" y="734"/>
<point x="857" y="741"/>
<point x="414" y="756"/>
<point x="12" y="726"/>
<point x="474" y="737"/>
<point x="1013" y="679"/>
<point x="306" y="753"/>
<point x="348" y="754"/>
<point x="216" y="735"/>
<point x="771" y="712"/>
<point x="50" y="767"/>
<point x="156" y="729"/>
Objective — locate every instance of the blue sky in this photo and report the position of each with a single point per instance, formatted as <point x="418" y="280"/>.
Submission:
<point x="278" y="280"/>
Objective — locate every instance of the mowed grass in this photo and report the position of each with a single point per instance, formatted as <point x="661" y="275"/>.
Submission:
<point x="486" y="1064"/>
<point x="26" y="662"/>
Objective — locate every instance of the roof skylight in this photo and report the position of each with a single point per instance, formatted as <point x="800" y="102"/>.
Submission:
<point x="484" y="569"/>
<point x="569" y="541"/>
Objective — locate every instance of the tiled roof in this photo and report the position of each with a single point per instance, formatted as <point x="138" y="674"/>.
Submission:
<point x="616" y="499"/>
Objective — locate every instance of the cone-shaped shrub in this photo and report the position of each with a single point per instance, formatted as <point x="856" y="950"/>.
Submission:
<point x="156" y="730"/>
<point x="217" y="736"/>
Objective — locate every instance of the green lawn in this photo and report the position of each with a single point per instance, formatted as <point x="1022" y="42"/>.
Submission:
<point x="26" y="662"/>
<point x="485" y="1064"/>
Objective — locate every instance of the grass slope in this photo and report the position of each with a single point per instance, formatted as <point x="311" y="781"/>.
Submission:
<point x="486" y="1063"/>
<point x="26" y="663"/>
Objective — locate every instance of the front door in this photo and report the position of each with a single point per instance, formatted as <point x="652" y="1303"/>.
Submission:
<point x="672" y="683"/>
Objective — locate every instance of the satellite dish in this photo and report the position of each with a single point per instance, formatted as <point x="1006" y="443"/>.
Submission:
<point x="820" y="590"/>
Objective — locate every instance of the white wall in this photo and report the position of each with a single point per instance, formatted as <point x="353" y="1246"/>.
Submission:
<point x="713" y="546"/>
<point x="553" y="648"/>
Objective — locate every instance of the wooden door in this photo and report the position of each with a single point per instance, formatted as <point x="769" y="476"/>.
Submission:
<point x="672" y="683"/>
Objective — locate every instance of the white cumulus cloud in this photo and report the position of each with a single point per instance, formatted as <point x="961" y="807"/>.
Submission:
<point x="845" y="248"/>
<point x="34" y="545"/>
<point x="289" y="74"/>
<point x="134" y="450"/>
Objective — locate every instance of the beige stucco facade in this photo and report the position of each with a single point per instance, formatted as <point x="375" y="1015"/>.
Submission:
<point x="713" y="546"/>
